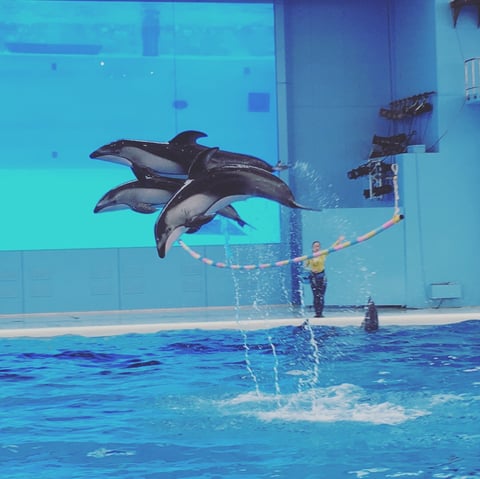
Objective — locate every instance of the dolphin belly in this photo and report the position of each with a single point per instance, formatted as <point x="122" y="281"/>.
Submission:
<point x="190" y="207"/>
<point x="159" y="164"/>
<point x="153" y="196"/>
<point x="120" y="160"/>
<point x="139" y="199"/>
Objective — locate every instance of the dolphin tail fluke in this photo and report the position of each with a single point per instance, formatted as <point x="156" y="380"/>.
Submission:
<point x="243" y="223"/>
<point x="231" y="213"/>
<point x="280" y="166"/>
<point x="303" y="207"/>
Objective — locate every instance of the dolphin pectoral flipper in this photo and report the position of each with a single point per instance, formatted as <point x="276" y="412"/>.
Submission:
<point x="144" y="208"/>
<point x="198" y="221"/>
<point x="200" y="164"/>
<point x="143" y="173"/>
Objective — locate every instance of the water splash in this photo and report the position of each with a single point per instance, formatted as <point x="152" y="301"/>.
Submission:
<point x="275" y="366"/>
<point x="312" y="379"/>
<point x="248" y="363"/>
<point x="273" y="348"/>
<point x="344" y="402"/>
<point x="236" y="288"/>
<point x="318" y="189"/>
<point x="246" y="348"/>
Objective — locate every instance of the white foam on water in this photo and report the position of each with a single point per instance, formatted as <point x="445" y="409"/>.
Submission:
<point x="11" y="447"/>
<point x="248" y="398"/>
<point x="344" y="402"/>
<point x="366" y="472"/>
<point x="103" y="452"/>
<point x="297" y="372"/>
<point x="444" y="398"/>
<point x="406" y="474"/>
<point x="472" y="370"/>
<point x="375" y="470"/>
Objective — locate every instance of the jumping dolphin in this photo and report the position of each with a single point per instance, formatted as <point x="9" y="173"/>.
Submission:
<point x="147" y="158"/>
<point x="145" y="196"/>
<point x="148" y="196"/>
<point x="210" y="189"/>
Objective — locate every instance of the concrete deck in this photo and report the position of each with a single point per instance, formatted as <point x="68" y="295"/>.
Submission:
<point x="109" y="323"/>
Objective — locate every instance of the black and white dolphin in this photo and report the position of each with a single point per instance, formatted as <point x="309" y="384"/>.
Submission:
<point x="208" y="190"/>
<point x="148" y="196"/>
<point x="148" y="158"/>
<point x="370" y="322"/>
<point x="145" y="196"/>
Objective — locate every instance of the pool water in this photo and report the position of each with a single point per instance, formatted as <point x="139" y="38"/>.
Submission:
<point x="321" y="402"/>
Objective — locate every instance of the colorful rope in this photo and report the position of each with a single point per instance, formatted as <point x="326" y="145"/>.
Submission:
<point x="299" y="259"/>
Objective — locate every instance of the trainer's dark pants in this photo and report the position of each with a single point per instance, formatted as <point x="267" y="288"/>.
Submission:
<point x="318" y="283"/>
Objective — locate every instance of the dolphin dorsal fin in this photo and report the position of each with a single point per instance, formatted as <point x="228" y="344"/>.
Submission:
<point x="200" y="163"/>
<point x="187" y="137"/>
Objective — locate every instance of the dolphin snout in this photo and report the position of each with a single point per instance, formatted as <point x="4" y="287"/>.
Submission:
<point x="162" y="246"/>
<point x="166" y="239"/>
<point x="102" y="151"/>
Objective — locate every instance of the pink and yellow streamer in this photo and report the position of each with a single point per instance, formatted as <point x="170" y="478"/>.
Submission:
<point x="299" y="259"/>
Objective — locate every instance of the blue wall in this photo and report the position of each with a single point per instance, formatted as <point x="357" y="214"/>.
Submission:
<point x="335" y="104"/>
<point x="445" y="229"/>
<point x="338" y="75"/>
<point x="134" y="278"/>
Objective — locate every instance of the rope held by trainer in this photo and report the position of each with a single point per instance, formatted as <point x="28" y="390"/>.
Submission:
<point x="346" y="244"/>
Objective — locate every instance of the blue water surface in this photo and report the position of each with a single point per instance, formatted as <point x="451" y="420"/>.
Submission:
<point x="322" y="402"/>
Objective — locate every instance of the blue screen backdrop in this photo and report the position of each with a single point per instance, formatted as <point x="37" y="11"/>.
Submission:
<point x="77" y="75"/>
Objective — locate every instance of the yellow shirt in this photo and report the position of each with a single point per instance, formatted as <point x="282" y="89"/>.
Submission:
<point x="317" y="264"/>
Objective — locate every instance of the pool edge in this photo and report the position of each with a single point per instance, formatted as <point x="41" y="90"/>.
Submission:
<point x="415" y="318"/>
